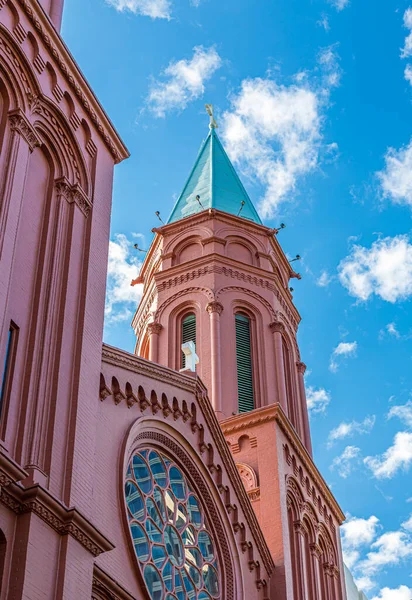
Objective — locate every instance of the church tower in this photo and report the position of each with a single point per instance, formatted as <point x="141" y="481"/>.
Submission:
<point x="216" y="276"/>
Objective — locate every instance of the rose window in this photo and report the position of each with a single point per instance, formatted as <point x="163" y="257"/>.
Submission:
<point x="173" y="544"/>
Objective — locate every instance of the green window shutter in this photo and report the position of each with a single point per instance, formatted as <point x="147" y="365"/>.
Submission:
<point x="188" y="333"/>
<point x="244" y="364"/>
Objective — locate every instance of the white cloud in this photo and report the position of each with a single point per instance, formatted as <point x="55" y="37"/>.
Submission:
<point x="324" y="22"/>
<point x="157" y="9"/>
<point x="364" y="583"/>
<point x="123" y="266"/>
<point x="274" y="132"/>
<point x="344" y="349"/>
<point x="183" y="81"/>
<point x="358" y="532"/>
<point x="403" y="412"/>
<point x="339" y="4"/>
<point x="385" y="269"/>
<point x="391" y="329"/>
<point x="391" y="548"/>
<point x="344" y="463"/>
<point x="324" y="279"/>
<point x="345" y="430"/>
<point x="407" y="21"/>
<point x="317" y="399"/>
<point x="408" y="73"/>
<point x="401" y="593"/>
<point x="398" y="456"/>
<point x="408" y="524"/>
<point x="396" y="177"/>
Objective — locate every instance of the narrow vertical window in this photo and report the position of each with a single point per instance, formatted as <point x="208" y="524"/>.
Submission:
<point x="8" y="364"/>
<point x="244" y="364"/>
<point x="289" y="386"/>
<point x="188" y="333"/>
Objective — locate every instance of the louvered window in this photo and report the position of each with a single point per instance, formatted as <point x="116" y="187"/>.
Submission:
<point x="188" y="333"/>
<point x="244" y="364"/>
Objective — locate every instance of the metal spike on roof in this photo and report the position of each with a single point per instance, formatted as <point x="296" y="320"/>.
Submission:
<point x="215" y="181"/>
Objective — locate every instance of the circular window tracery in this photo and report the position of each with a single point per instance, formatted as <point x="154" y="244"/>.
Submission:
<point x="173" y="544"/>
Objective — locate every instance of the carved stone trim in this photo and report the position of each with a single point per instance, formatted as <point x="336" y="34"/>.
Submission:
<point x="81" y="199"/>
<point x="254" y="494"/>
<point x="316" y="551"/>
<point x="300" y="528"/>
<point x="73" y="193"/>
<point x="214" y="307"/>
<point x="68" y="67"/>
<point x="213" y="238"/>
<point x="277" y="327"/>
<point x="10" y="471"/>
<point x="154" y="328"/>
<point x="20" y="123"/>
<point x="117" y="357"/>
<point x="301" y="367"/>
<point x="65" y="521"/>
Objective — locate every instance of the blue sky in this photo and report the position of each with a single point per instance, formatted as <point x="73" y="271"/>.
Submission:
<point x="314" y="103"/>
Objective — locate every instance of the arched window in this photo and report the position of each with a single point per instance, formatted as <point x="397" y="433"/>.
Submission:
<point x="172" y="537"/>
<point x="246" y="400"/>
<point x="188" y="333"/>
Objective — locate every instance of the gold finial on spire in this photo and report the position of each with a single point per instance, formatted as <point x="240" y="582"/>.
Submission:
<point x="209" y="110"/>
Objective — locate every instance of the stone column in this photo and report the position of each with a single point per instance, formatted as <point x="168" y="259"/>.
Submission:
<point x="303" y="406"/>
<point x="153" y="330"/>
<point x="316" y="554"/>
<point x="215" y="309"/>
<point x="278" y="329"/>
<point x="301" y="533"/>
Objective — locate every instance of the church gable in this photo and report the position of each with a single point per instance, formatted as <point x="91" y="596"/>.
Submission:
<point x="183" y="515"/>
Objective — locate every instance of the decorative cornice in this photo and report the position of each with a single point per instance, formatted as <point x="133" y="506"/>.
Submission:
<point x="117" y="357"/>
<point x="154" y="328"/>
<point x="206" y="215"/>
<point x="20" y="124"/>
<point x="214" y="307"/>
<point x="274" y="412"/>
<point x="102" y="582"/>
<point x="66" y="521"/>
<point x="73" y="76"/>
<point x="203" y="266"/>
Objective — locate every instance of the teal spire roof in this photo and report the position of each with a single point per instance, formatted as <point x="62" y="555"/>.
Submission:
<point x="215" y="181"/>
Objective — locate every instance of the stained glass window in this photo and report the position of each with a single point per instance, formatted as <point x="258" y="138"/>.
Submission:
<point x="173" y="544"/>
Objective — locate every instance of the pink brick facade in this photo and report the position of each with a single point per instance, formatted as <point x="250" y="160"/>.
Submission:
<point x="74" y="415"/>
